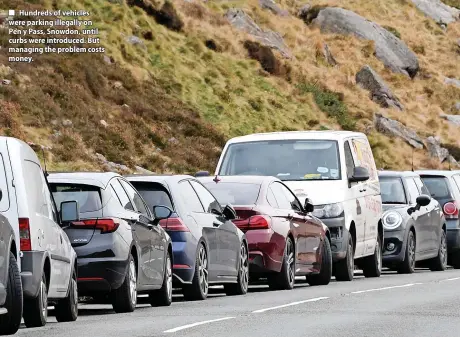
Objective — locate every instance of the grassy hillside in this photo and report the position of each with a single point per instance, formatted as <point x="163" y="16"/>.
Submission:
<point x="169" y="102"/>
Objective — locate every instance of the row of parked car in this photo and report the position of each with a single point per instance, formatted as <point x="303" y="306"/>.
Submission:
<point x="279" y="205"/>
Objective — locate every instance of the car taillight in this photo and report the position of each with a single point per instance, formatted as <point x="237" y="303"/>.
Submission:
<point x="174" y="225"/>
<point x="105" y="225"/>
<point x="24" y="234"/>
<point x="450" y="210"/>
<point x="254" y="222"/>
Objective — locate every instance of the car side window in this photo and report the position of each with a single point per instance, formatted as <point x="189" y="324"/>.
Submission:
<point x="293" y="201"/>
<point x="36" y="191"/>
<point x="280" y="196"/>
<point x="412" y="190"/>
<point x="207" y="199"/>
<point x="349" y="162"/>
<point x="421" y="186"/>
<point x="136" y="198"/>
<point x="271" y="198"/>
<point x="122" y="195"/>
<point x="189" y="197"/>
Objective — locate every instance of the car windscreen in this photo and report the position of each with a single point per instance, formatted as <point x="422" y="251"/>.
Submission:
<point x="87" y="196"/>
<point x="392" y="190"/>
<point x="154" y="194"/>
<point x="234" y="193"/>
<point x="285" y="159"/>
<point x="438" y="186"/>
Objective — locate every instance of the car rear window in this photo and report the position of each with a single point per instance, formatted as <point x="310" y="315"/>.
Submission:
<point x="87" y="196"/>
<point x="154" y="194"/>
<point x="438" y="186"/>
<point x="234" y="193"/>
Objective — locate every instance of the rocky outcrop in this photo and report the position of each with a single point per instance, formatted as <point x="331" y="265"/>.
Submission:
<point x="392" y="51"/>
<point x="454" y="119"/>
<point x="380" y="93"/>
<point x="394" y="128"/>
<point x="141" y="170"/>
<point x="111" y="166"/>
<point x="273" y="7"/>
<point x="240" y="20"/>
<point x="325" y="53"/>
<point x="438" y="11"/>
<point x="435" y="149"/>
<point x="452" y="81"/>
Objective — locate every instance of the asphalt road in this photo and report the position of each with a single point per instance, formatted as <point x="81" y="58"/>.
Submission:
<point x="422" y="304"/>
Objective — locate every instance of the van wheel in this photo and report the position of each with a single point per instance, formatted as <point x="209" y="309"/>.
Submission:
<point x="36" y="309"/>
<point x="9" y="322"/>
<point x="198" y="290"/>
<point x="163" y="296"/>
<point x="241" y="286"/>
<point x="124" y="299"/>
<point x="408" y="265"/>
<point x="285" y="279"/>
<point x="325" y="274"/>
<point x="372" y="265"/>
<point x="439" y="263"/>
<point x="67" y="308"/>
<point x="345" y="268"/>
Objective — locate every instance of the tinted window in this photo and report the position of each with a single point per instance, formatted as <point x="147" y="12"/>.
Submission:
<point x="437" y="186"/>
<point x="421" y="186"/>
<point x="285" y="159"/>
<point x="121" y="195"/>
<point x="189" y="197"/>
<point x="87" y="196"/>
<point x="392" y="190"/>
<point x="412" y="190"/>
<point x="349" y="160"/>
<point x="136" y="198"/>
<point x="154" y="194"/>
<point x="281" y="198"/>
<point x="207" y="199"/>
<point x="5" y="201"/>
<point x="271" y="198"/>
<point x="234" y="193"/>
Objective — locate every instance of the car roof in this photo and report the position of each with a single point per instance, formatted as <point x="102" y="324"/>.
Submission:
<point x="239" y="179"/>
<point x="100" y="179"/>
<point x="157" y="178"/>
<point x="307" y="135"/>
<point x="398" y="174"/>
<point x="445" y="173"/>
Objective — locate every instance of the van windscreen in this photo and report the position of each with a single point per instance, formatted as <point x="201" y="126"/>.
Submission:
<point x="87" y="196"/>
<point x="285" y="159"/>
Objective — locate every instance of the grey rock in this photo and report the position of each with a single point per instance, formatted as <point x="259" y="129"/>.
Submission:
<point x="107" y="59"/>
<point x="104" y="123"/>
<point x="303" y="11"/>
<point x="452" y="161"/>
<point x="125" y="106"/>
<point x="117" y="85"/>
<point x="393" y="52"/>
<point x="56" y="134"/>
<point x="67" y="122"/>
<point x="435" y="150"/>
<point x="273" y="7"/>
<point x="141" y="170"/>
<point x="6" y="82"/>
<point x="380" y="93"/>
<point x="438" y="11"/>
<point x="396" y="129"/>
<point x="457" y="106"/>
<point x="54" y="122"/>
<point x="111" y="165"/>
<point x="240" y="20"/>
<point x="454" y="119"/>
<point x="173" y="140"/>
<point x="327" y="55"/>
<point x="452" y="81"/>
<point x="134" y="40"/>
<point x="100" y="157"/>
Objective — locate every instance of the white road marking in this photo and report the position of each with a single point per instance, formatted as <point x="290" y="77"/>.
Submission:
<point x="197" y="323"/>
<point x="290" y="304"/>
<point x="385" y="288"/>
<point x="451" y="279"/>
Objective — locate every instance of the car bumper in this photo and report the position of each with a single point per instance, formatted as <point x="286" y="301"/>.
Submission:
<point x="184" y="255"/>
<point x="32" y="263"/>
<point x="100" y="275"/>
<point x="397" y="254"/>
<point x="266" y="250"/>
<point x="339" y="237"/>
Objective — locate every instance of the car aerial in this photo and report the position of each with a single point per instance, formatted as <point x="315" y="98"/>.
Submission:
<point x="47" y="259"/>
<point x="284" y="239"/>
<point x="414" y="224"/>
<point x="337" y="172"/>
<point x="444" y="186"/>
<point x="122" y="251"/>
<point x="208" y="248"/>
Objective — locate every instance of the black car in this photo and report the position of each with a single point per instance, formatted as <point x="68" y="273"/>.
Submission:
<point x="414" y="224"/>
<point x="122" y="250"/>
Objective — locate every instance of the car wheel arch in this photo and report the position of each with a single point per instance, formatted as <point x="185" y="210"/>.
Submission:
<point x="352" y="232"/>
<point x="134" y="252"/>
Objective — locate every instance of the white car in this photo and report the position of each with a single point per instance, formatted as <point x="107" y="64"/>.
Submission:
<point x="337" y="172"/>
<point x="47" y="260"/>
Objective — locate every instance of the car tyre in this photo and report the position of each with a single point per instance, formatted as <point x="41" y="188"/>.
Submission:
<point x="285" y="279"/>
<point x="372" y="265"/>
<point x="67" y="308"/>
<point x="408" y="265"/>
<point x="163" y="296"/>
<point x="439" y="263"/>
<point x="10" y="322"/>
<point x="241" y="286"/>
<point x="36" y="309"/>
<point x="345" y="268"/>
<point x="325" y="274"/>
<point x="198" y="290"/>
<point x="124" y="299"/>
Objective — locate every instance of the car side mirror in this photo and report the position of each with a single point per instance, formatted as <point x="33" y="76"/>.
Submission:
<point x="308" y="206"/>
<point x="359" y="174"/>
<point x="202" y="174"/>
<point x="161" y="212"/>
<point x="423" y="200"/>
<point x="229" y="212"/>
<point x="69" y="211"/>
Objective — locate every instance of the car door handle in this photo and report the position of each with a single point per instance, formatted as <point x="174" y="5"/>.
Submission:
<point x="216" y="224"/>
<point x="61" y="239"/>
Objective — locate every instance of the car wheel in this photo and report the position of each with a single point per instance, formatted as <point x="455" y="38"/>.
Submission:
<point x="36" y="309"/>
<point x="198" y="290"/>
<point x="345" y="268"/>
<point x="372" y="265"/>
<point x="408" y="265"/>
<point x="163" y="296"/>
<point x="439" y="263"/>
<point x="67" y="308"/>
<point x="285" y="279"/>
<point x="241" y="286"/>
<point x="124" y="299"/>
<point x="325" y="274"/>
<point x="9" y="322"/>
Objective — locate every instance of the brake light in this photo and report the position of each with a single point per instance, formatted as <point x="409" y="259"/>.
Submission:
<point x="24" y="234"/>
<point x="105" y="225"/>
<point x="450" y="210"/>
<point x="174" y="225"/>
<point x="254" y="222"/>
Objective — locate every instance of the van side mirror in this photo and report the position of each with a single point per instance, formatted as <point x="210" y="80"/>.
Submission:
<point x="423" y="200"/>
<point x="359" y="174"/>
<point x="308" y="206"/>
<point x="69" y="211"/>
<point x="229" y="212"/>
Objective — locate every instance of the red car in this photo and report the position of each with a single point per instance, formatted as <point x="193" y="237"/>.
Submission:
<point x="284" y="239"/>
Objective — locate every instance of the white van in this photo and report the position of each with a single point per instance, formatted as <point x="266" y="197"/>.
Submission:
<point x="336" y="171"/>
<point x="47" y="260"/>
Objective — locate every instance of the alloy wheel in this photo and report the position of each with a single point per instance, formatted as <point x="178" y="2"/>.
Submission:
<point x="74" y="295"/>
<point x="203" y="270"/>
<point x="351" y="260"/>
<point x="244" y="268"/>
<point x="132" y="282"/>
<point x="379" y="255"/>
<point x="168" y="277"/>
<point x="412" y="253"/>
<point x="44" y="299"/>
<point x="290" y="262"/>
<point x="443" y="250"/>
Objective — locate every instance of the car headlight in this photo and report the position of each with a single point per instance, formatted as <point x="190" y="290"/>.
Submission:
<point x="392" y="220"/>
<point x="328" y="211"/>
